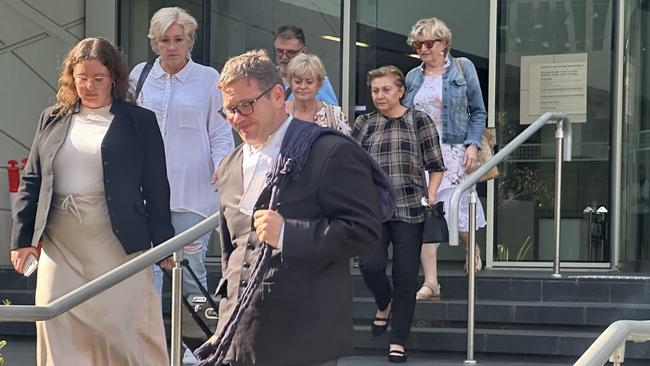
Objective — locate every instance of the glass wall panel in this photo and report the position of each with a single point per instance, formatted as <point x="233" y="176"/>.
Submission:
<point x="382" y="29"/>
<point x="228" y="28"/>
<point x="383" y="25"/>
<point x="635" y="196"/>
<point x="241" y="25"/>
<point x="134" y="19"/>
<point x="554" y="55"/>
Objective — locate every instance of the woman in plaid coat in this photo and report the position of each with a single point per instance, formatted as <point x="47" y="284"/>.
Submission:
<point x="405" y="143"/>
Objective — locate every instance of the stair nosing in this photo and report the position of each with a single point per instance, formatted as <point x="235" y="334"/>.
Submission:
<point x="486" y="331"/>
<point x="618" y="305"/>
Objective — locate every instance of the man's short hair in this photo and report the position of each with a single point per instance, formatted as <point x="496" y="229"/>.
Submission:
<point x="254" y="64"/>
<point x="290" y="32"/>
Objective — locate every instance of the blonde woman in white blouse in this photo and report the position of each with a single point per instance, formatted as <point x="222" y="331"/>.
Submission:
<point x="186" y="100"/>
<point x="306" y="74"/>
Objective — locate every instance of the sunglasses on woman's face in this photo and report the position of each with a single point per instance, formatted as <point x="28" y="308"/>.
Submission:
<point x="428" y="43"/>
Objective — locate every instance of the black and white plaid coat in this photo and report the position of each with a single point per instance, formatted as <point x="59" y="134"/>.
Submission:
<point x="403" y="147"/>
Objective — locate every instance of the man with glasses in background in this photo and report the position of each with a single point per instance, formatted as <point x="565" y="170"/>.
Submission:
<point x="288" y="42"/>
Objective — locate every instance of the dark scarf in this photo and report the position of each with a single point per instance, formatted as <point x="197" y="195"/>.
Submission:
<point x="296" y="145"/>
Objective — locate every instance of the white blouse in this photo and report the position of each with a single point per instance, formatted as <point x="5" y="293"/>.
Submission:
<point x="195" y="135"/>
<point x="77" y="165"/>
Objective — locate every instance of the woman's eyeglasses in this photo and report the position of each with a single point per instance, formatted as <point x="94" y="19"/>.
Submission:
<point x="84" y="81"/>
<point x="243" y="108"/>
<point x="428" y="43"/>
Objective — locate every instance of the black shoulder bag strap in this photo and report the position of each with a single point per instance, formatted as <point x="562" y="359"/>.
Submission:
<point x="287" y="93"/>
<point x="143" y="77"/>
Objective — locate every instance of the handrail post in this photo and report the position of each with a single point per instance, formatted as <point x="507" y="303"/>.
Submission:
<point x="471" y="264"/>
<point x="177" y="287"/>
<point x="559" y="136"/>
<point x="618" y="357"/>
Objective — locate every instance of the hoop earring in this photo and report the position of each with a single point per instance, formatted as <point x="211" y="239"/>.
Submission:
<point x="113" y="85"/>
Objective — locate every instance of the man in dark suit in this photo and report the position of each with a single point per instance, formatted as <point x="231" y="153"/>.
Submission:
<point x="302" y="312"/>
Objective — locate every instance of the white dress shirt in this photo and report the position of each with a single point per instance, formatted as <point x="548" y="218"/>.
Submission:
<point x="196" y="137"/>
<point x="255" y="164"/>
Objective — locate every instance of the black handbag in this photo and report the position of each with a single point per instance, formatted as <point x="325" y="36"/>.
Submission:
<point x="435" y="228"/>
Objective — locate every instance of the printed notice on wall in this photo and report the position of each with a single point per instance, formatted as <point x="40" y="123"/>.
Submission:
<point x="554" y="83"/>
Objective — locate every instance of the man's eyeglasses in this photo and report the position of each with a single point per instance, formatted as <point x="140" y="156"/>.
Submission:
<point x="428" y="43"/>
<point x="288" y="53"/>
<point x="85" y="81"/>
<point x="243" y="108"/>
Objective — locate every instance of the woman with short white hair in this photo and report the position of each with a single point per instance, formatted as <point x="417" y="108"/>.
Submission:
<point x="306" y="73"/>
<point x="185" y="98"/>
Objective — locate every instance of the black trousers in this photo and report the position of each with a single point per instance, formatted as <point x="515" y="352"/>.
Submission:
<point x="407" y="244"/>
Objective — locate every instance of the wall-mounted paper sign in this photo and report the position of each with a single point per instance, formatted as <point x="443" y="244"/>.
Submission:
<point x="553" y="83"/>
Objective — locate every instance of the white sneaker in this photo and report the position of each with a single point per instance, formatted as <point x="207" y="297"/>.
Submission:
<point x="189" y="358"/>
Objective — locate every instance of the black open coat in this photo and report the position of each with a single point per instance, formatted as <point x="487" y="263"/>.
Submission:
<point x="135" y="179"/>
<point x="302" y="313"/>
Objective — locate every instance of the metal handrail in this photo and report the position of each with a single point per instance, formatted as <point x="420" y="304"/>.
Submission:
<point x="16" y="313"/>
<point x="499" y="157"/>
<point x="563" y="153"/>
<point x="30" y="313"/>
<point x="610" y="345"/>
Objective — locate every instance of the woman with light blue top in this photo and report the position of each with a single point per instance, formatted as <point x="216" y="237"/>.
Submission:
<point x="448" y="90"/>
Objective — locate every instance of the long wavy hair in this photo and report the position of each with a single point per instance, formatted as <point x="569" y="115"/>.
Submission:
<point x="94" y="48"/>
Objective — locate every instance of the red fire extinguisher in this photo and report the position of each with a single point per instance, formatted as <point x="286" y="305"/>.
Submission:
<point x="14" y="181"/>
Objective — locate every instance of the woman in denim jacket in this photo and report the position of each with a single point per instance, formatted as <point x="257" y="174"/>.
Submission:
<point x="452" y="98"/>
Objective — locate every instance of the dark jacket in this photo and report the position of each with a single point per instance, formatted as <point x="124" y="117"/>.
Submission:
<point x="135" y="179"/>
<point x="302" y="313"/>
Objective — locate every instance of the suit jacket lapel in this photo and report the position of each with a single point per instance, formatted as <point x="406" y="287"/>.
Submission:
<point x="263" y="199"/>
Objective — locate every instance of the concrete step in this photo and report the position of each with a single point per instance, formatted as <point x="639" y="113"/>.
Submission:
<point x="539" y="287"/>
<point x="575" y="314"/>
<point x="497" y="341"/>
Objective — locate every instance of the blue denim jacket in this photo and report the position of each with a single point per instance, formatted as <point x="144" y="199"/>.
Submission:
<point x="463" y="112"/>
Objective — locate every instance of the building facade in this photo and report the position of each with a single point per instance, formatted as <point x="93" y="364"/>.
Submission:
<point x="584" y="57"/>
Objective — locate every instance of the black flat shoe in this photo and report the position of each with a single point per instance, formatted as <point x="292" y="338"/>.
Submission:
<point x="377" y="329"/>
<point x="396" y="356"/>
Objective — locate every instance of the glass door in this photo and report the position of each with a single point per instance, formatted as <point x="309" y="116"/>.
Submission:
<point x="382" y="29"/>
<point x="554" y="55"/>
